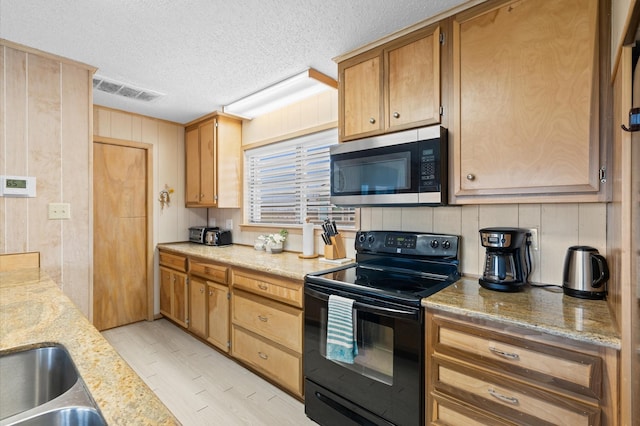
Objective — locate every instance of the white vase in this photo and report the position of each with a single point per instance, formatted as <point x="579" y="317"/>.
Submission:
<point x="274" y="247"/>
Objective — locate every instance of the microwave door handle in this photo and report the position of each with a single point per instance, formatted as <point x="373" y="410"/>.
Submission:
<point x="366" y="307"/>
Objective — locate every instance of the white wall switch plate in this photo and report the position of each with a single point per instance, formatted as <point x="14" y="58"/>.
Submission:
<point x="59" y="211"/>
<point x="534" y="238"/>
<point x="229" y="224"/>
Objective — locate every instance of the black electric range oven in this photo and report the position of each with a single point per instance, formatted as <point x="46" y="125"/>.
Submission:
<point x="384" y="383"/>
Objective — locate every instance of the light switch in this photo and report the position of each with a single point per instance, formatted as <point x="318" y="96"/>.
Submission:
<point x="59" y="211"/>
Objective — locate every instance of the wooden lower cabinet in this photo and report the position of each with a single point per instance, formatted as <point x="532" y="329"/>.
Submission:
<point x="267" y="326"/>
<point x="209" y="302"/>
<point x="481" y="372"/>
<point x="274" y="361"/>
<point x="174" y="288"/>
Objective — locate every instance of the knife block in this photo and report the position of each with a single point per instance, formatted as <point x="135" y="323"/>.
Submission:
<point x="336" y="249"/>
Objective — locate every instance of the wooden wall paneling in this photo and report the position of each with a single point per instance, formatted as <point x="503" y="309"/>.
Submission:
<point x="45" y="151"/>
<point x="529" y="216"/>
<point x="76" y="182"/>
<point x="471" y="252"/>
<point x="414" y="218"/>
<point x="559" y="230"/>
<point x="16" y="136"/>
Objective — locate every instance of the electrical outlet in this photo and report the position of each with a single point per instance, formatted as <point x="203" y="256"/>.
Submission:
<point x="534" y="238"/>
<point x="59" y="211"/>
<point x="229" y="224"/>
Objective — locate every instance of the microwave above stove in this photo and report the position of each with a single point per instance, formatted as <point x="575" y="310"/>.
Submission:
<point x="406" y="168"/>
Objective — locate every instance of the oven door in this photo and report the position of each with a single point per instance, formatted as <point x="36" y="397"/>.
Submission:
<point x="384" y="384"/>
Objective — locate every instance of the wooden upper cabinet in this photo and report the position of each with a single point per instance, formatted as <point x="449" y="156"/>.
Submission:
<point x="392" y="87"/>
<point x="213" y="155"/>
<point x="361" y="98"/>
<point x="413" y="80"/>
<point x="526" y="98"/>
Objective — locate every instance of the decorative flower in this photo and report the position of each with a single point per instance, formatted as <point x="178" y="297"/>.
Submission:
<point x="274" y="239"/>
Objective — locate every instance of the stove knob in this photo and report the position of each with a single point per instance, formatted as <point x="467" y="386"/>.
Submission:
<point x="371" y="239"/>
<point x="361" y="238"/>
<point x="446" y="244"/>
<point x="434" y="243"/>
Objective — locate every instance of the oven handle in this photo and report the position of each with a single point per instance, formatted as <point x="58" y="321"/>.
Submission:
<point x="413" y="314"/>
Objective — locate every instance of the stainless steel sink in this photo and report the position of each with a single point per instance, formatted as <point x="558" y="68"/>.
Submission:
<point x="41" y="386"/>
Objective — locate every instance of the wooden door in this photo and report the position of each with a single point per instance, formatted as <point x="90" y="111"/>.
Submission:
<point x="413" y="76"/>
<point x="120" y="235"/>
<point x="525" y="98"/>
<point x="218" y="315"/>
<point x="207" y="164"/>
<point x="361" y="98"/>
<point x="198" y="306"/>
<point x="192" y="167"/>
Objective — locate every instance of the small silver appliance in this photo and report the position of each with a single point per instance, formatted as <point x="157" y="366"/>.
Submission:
<point x="585" y="273"/>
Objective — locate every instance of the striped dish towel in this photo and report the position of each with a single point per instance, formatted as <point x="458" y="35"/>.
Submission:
<point x="341" y="342"/>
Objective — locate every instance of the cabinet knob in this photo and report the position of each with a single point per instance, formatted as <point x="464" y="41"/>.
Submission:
<point x="201" y="196"/>
<point x="372" y="120"/>
<point x="396" y="115"/>
<point x="201" y="290"/>
<point x="263" y="355"/>
<point x="210" y="293"/>
<point x="263" y="318"/>
<point x="471" y="177"/>
<point x="262" y="286"/>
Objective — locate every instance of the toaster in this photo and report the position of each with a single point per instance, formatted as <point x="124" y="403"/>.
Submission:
<point x="209" y="236"/>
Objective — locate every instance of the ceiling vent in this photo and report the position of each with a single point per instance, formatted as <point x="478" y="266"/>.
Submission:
<point x="125" y="90"/>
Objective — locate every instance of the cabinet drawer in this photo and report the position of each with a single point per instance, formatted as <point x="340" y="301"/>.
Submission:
<point x="173" y="261"/>
<point x="286" y="291"/>
<point x="283" y="367"/>
<point x="210" y="271"/>
<point x="510" y="400"/>
<point x="448" y="412"/>
<point x="273" y="320"/>
<point x="536" y="362"/>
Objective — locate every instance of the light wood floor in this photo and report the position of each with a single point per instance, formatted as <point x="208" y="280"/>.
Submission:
<point x="197" y="383"/>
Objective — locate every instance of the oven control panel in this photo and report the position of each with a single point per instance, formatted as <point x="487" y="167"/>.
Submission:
<point x="411" y="243"/>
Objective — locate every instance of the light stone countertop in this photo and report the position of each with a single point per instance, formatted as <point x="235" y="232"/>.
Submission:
<point x="538" y="309"/>
<point x="34" y="310"/>
<point x="285" y="264"/>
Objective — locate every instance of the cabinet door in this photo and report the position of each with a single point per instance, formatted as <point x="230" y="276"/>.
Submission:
<point x="207" y="164"/>
<point x="180" y="299"/>
<point x="198" y="306"/>
<point x="229" y="166"/>
<point x="166" y="291"/>
<point x="192" y="166"/>
<point x="361" y="97"/>
<point x="218" y="316"/>
<point x="413" y="80"/>
<point x="526" y="103"/>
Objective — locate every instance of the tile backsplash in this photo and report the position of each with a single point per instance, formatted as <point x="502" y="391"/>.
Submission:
<point x="559" y="227"/>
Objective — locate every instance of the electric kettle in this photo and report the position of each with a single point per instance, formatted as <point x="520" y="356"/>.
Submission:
<point x="585" y="273"/>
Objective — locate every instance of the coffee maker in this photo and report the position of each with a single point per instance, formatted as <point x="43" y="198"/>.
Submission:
<point x="507" y="263"/>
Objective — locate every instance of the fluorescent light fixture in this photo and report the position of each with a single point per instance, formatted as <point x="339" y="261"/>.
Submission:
<point x="293" y="89"/>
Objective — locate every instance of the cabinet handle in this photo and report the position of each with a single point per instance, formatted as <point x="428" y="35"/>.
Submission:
<point x="471" y="177"/>
<point x="262" y="286"/>
<point x="201" y="289"/>
<point x="210" y="292"/>
<point x="396" y="115"/>
<point x="263" y="355"/>
<point x="507" y="399"/>
<point x="201" y="196"/>
<point x="504" y="354"/>
<point x="372" y="120"/>
<point x="263" y="318"/>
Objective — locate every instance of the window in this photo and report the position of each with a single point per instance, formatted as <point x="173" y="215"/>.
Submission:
<point x="287" y="182"/>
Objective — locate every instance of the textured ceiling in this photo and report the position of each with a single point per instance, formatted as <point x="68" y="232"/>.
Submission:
<point x="204" y="53"/>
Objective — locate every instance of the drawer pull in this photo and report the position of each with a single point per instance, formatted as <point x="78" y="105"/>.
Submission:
<point x="263" y="355"/>
<point x="262" y="286"/>
<point x="508" y="399"/>
<point x="263" y="318"/>
<point x="504" y="354"/>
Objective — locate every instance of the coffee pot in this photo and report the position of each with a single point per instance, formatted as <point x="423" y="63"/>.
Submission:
<point x="585" y="273"/>
<point x="506" y="267"/>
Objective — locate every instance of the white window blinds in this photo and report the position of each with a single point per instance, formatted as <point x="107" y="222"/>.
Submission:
<point x="286" y="182"/>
